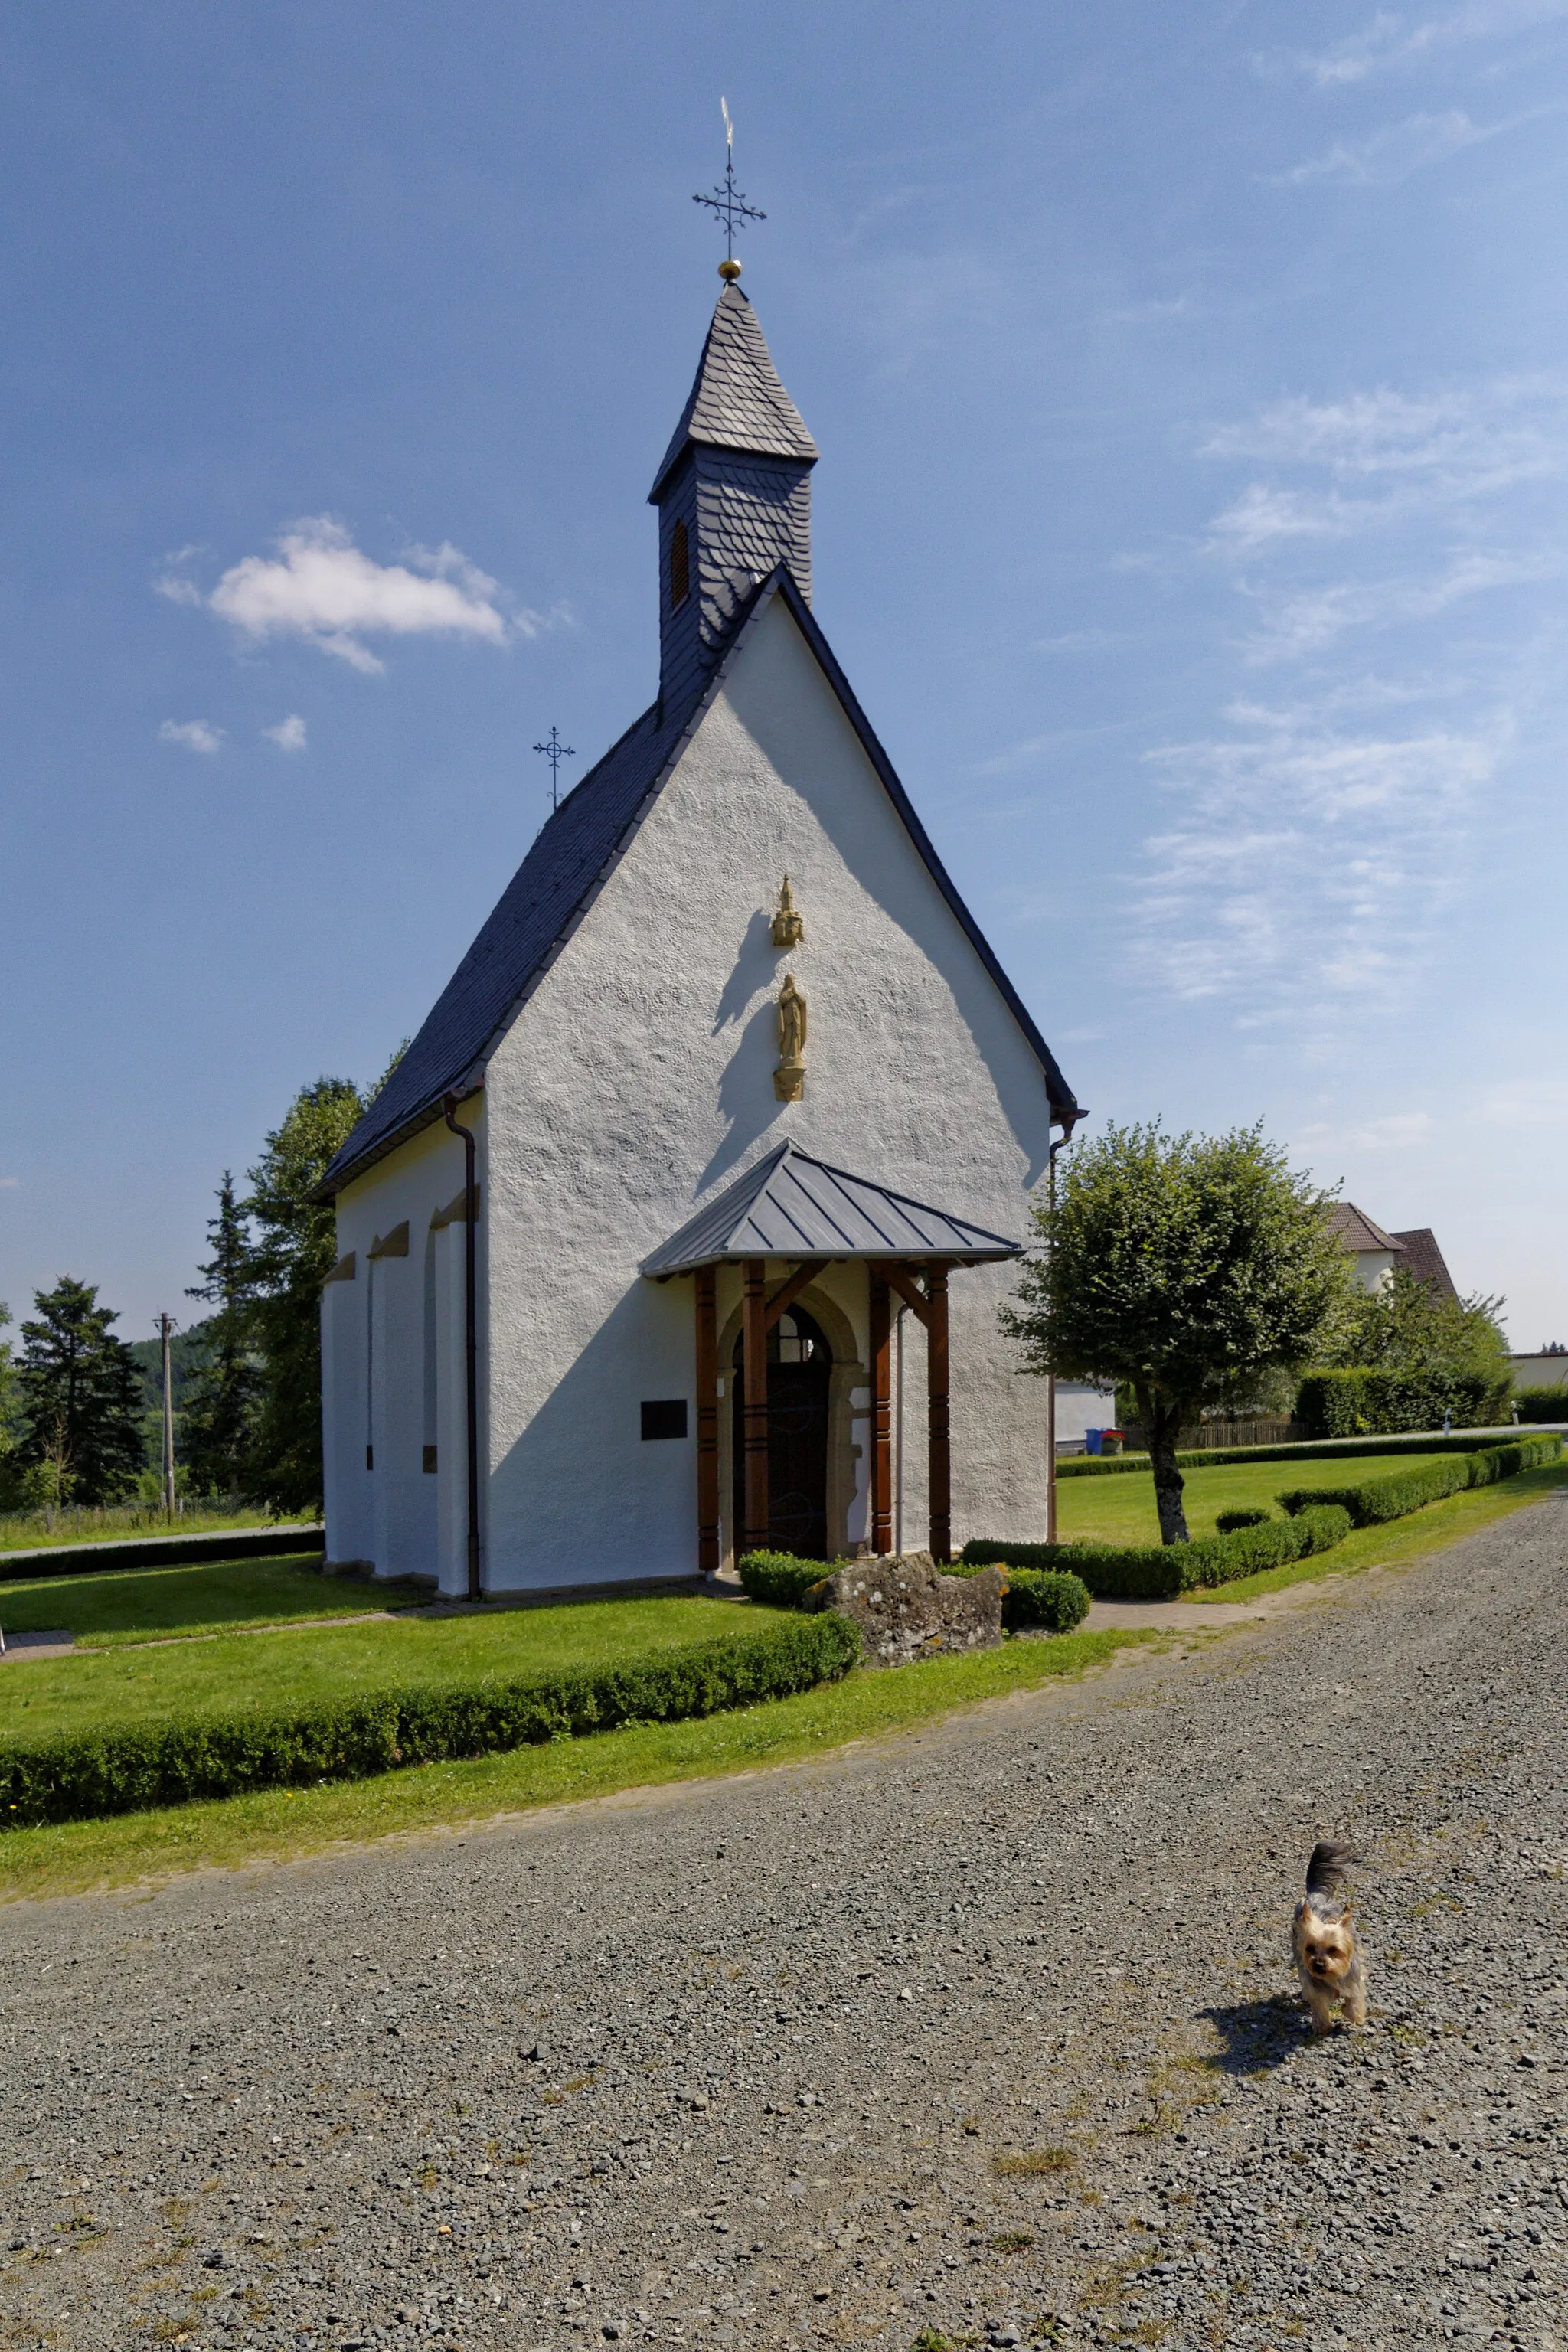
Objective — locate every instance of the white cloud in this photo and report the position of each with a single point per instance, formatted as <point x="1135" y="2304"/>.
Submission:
<point x="1309" y="865"/>
<point x="1079" y="641"/>
<point x="195" y="734"/>
<point x="289" y="734"/>
<point x="178" y="590"/>
<point x="1390" y="154"/>
<point x="1397" y="1130"/>
<point x="321" y="587"/>
<point x="10" y="1183"/>
<point x="1527" y="1103"/>
<point x="1390" y="41"/>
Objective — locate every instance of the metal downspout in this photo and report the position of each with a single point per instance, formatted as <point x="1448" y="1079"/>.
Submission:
<point x="470" y="1336"/>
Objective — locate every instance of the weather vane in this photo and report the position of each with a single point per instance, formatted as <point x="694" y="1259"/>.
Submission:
<point x="555" y="751"/>
<point x="728" y="205"/>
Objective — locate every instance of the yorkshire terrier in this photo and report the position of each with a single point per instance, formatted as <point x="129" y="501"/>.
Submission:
<point x="1328" y="1957"/>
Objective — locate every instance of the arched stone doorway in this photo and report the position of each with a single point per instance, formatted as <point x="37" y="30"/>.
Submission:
<point x="800" y="1380"/>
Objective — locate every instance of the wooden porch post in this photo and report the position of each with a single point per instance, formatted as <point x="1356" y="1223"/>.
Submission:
<point x="707" y="1423"/>
<point x="940" y="1447"/>
<point x="882" y="1417"/>
<point x="755" y="1358"/>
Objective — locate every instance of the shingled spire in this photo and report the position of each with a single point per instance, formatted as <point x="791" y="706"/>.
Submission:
<point x="733" y="495"/>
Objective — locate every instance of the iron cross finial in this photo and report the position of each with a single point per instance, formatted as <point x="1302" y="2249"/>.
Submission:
<point x="728" y="205"/>
<point x="555" y="751"/>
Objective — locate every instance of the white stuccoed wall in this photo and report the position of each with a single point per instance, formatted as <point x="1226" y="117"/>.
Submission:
<point x="639" y="1079"/>
<point x="398" y="1515"/>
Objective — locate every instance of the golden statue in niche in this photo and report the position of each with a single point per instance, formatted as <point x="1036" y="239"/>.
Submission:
<point x="788" y="927"/>
<point x="789" y="1078"/>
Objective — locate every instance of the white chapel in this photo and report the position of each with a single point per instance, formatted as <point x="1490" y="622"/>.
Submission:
<point x="681" y="1226"/>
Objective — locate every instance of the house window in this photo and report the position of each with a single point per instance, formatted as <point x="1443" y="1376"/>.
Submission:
<point x="429" y="1459"/>
<point x="664" y="1417"/>
<point x="679" y="566"/>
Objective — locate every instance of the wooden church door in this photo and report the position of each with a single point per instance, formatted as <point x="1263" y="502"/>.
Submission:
<point x="800" y="1367"/>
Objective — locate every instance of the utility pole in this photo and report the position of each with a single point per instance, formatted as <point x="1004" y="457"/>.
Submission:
<point x="165" y="1332"/>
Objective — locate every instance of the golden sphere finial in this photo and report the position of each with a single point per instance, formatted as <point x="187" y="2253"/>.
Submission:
<point x="729" y="271"/>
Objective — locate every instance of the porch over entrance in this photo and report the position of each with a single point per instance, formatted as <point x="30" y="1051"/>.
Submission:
<point x="779" y="1226"/>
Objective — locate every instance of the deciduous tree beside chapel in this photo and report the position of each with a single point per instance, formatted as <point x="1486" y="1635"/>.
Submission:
<point x="755" y="1116"/>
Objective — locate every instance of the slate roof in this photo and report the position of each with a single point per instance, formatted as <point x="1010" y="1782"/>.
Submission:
<point x="737" y="401"/>
<point x="1354" y="1230"/>
<point x="535" y="915"/>
<point x="577" y="849"/>
<point x="1424" y="1259"/>
<point x="790" y="1205"/>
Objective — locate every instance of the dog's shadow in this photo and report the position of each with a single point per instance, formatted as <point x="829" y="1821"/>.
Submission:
<point x="1256" y="2035"/>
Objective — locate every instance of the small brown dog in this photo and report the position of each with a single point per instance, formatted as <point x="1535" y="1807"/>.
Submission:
<point x="1328" y="1957"/>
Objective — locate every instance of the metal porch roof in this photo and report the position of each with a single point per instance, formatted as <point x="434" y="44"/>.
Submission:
<point x="790" y="1205"/>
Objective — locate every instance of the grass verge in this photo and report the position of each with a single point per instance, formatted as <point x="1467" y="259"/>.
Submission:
<point x="120" y="1605"/>
<point x="135" y="1688"/>
<point x="277" y="1825"/>
<point x="1121" y="1511"/>
<point x="118" y="1522"/>
<point x="1431" y="1529"/>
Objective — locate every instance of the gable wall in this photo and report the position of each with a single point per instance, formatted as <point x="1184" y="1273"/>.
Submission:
<point x="639" y="1080"/>
<point x="392" y="1373"/>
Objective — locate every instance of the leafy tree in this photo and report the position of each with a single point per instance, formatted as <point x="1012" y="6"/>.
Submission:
<point x="223" y="1386"/>
<point x="1408" y="1325"/>
<point x="1184" y="1268"/>
<point x="291" y="1257"/>
<point x="81" y="1397"/>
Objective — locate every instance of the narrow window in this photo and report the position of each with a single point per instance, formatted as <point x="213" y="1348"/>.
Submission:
<point x="679" y="566"/>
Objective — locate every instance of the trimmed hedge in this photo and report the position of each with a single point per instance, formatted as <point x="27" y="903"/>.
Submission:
<point x="1051" y="1598"/>
<point x="1054" y="1599"/>
<point x="1377" y="1500"/>
<point x="781" y="1579"/>
<point x="1349" y="1449"/>
<point x="1541" y="1405"/>
<point x="1161" y="1571"/>
<point x="1353" y="1404"/>
<point x="83" y="1776"/>
<point x="1246" y="1515"/>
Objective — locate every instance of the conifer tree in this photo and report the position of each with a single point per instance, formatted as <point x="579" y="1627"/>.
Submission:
<point x="218" y="1422"/>
<point x="82" y="1396"/>
<point x="292" y="1256"/>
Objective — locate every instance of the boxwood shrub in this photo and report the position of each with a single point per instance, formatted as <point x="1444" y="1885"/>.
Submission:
<point x="1373" y="1501"/>
<point x="1246" y="1515"/>
<point x="781" y="1579"/>
<point x="1052" y="1598"/>
<point x="83" y="1775"/>
<point x="1161" y="1571"/>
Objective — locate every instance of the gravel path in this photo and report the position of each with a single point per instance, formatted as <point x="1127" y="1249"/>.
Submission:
<point x="985" y="2036"/>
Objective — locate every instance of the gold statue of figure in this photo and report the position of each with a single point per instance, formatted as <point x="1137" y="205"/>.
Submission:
<point x="788" y="927"/>
<point x="789" y="1078"/>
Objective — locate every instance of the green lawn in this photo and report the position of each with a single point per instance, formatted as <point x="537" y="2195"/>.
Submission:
<point x="319" y="1664"/>
<point x="1121" y="1508"/>
<point x="120" y="1522"/>
<point x="136" y="1604"/>
<point x="276" y="1824"/>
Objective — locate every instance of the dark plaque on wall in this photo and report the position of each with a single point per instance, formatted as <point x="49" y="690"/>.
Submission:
<point x="664" y="1417"/>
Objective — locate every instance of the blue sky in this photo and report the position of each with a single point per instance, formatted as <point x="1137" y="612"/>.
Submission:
<point x="1192" y="386"/>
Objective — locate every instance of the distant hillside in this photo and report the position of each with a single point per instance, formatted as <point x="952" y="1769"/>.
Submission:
<point x="184" y="1347"/>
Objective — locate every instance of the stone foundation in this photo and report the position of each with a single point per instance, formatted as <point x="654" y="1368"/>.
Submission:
<point x="905" y="1608"/>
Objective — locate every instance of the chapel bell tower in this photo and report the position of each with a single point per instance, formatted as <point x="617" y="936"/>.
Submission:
<point x="733" y="495"/>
